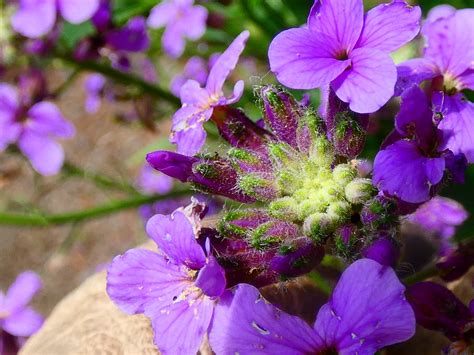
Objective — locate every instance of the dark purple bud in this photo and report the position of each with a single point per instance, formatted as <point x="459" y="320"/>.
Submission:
<point x="296" y="258"/>
<point x="272" y="234"/>
<point x="282" y="113"/>
<point x="437" y="308"/>
<point x="456" y="166"/>
<point x="176" y="165"/>
<point x="87" y="49"/>
<point x="345" y="240"/>
<point x="454" y="265"/>
<point x="348" y="136"/>
<point x="383" y="250"/>
<point x="103" y="16"/>
<point x="237" y="129"/>
<point x="133" y="37"/>
<point x="378" y="212"/>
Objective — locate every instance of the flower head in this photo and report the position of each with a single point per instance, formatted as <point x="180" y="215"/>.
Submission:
<point x="36" y="18"/>
<point x="16" y="318"/>
<point x="93" y="85"/>
<point x="176" y="287"/>
<point x="366" y="312"/>
<point x="34" y="124"/>
<point x="343" y="48"/>
<point x="199" y="103"/>
<point x="182" y="20"/>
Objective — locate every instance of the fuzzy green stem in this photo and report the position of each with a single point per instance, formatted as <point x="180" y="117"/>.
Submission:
<point x="45" y="220"/>
<point x="426" y="273"/>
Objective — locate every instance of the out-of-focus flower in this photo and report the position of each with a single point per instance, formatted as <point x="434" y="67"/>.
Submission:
<point x="440" y="216"/>
<point x="16" y="318"/>
<point x="35" y="18"/>
<point x="93" y="85"/>
<point x="411" y="163"/>
<point x="182" y="20"/>
<point x="196" y="68"/>
<point x="133" y="37"/>
<point x="34" y="125"/>
<point x="199" y="103"/>
<point x="367" y="311"/>
<point x="176" y="288"/>
<point x="152" y="182"/>
<point x="343" y="48"/>
<point x="448" y="58"/>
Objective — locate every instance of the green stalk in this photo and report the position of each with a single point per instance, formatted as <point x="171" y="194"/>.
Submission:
<point x="426" y="273"/>
<point x="45" y="220"/>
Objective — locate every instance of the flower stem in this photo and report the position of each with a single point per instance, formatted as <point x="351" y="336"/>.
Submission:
<point x="120" y="77"/>
<point x="426" y="273"/>
<point x="320" y="282"/>
<point x="44" y="220"/>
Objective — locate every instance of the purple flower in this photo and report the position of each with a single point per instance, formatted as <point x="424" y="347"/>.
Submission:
<point x="448" y="56"/>
<point x="440" y="216"/>
<point x="410" y="164"/>
<point x="343" y="47"/>
<point x="133" y="37"/>
<point x="152" y="182"/>
<point x="35" y="18"/>
<point x="16" y="318"/>
<point x="182" y="20"/>
<point x="176" y="287"/>
<point x="199" y="103"/>
<point x="93" y="85"/>
<point x="367" y="311"/>
<point x="34" y="128"/>
<point x="195" y="69"/>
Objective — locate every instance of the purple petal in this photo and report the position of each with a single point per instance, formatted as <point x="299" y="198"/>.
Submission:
<point x="382" y="250"/>
<point x="24" y="323"/>
<point x="177" y="166"/>
<point x="465" y="80"/>
<point x="133" y="37"/>
<point x="387" y="27"/>
<point x="402" y="170"/>
<point x="440" y="11"/>
<point x="46" y="119"/>
<point x="176" y="238"/>
<point x="302" y="59"/>
<point x="161" y="14"/>
<point x="153" y="182"/>
<point x="187" y="132"/>
<point x="77" y="11"/>
<point x="180" y="327"/>
<point x="414" y="71"/>
<point x="245" y="323"/>
<point x="20" y="293"/>
<point x="194" y="22"/>
<point x="191" y="93"/>
<point x="34" y="18"/>
<point x="140" y="279"/>
<point x="225" y="64"/>
<point x="367" y="310"/>
<point x="370" y="81"/>
<point x="338" y="19"/>
<point x="93" y="87"/>
<point x="236" y="94"/>
<point x="211" y="278"/>
<point x="9" y="102"/>
<point x="450" y="44"/>
<point x="172" y="41"/>
<point x="45" y="155"/>
<point x="457" y="124"/>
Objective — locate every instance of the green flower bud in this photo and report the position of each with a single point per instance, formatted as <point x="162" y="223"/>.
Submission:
<point x="359" y="190"/>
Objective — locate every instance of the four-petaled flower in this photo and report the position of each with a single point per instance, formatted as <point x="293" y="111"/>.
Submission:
<point x="176" y="287"/>
<point x="343" y="47"/>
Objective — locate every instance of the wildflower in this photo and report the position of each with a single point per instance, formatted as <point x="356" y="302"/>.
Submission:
<point x="93" y="85"/>
<point x="411" y="162"/>
<point x="132" y="37"/>
<point x="366" y="312"/>
<point x="175" y="287"/>
<point x="447" y="62"/>
<point x="199" y="103"/>
<point x="16" y="318"/>
<point x="34" y="124"/>
<point x="182" y="20"/>
<point x="36" y="18"/>
<point x="152" y="182"/>
<point x="343" y="48"/>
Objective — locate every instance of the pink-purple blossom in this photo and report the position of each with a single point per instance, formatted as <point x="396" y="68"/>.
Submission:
<point x="199" y="102"/>
<point x="36" y="18"/>
<point x="366" y="312"/>
<point x="182" y="20"/>
<point x="342" y="47"/>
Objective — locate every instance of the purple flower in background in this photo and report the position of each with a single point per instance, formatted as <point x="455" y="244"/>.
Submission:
<point x="182" y="20"/>
<point x="35" y="18"/>
<point x="366" y="312"/>
<point x="448" y="58"/>
<point x="16" y="318"/>
<point x="151" y="181"/>
<point x="440" y="216"/>
<point x="343" y="47"/>
<point x="195" y="69"/>
<point x="176" y="287"/>
<point x="133" y="37"/>
<point x="35" y="129"/>
<point x="199" y="103"/>
<point x="93" y="85"/>
<point x="410" y="163"/>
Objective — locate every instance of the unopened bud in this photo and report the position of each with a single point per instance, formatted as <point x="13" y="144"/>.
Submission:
<point x="359" y="190"/>
<point x="349" y="136"/>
